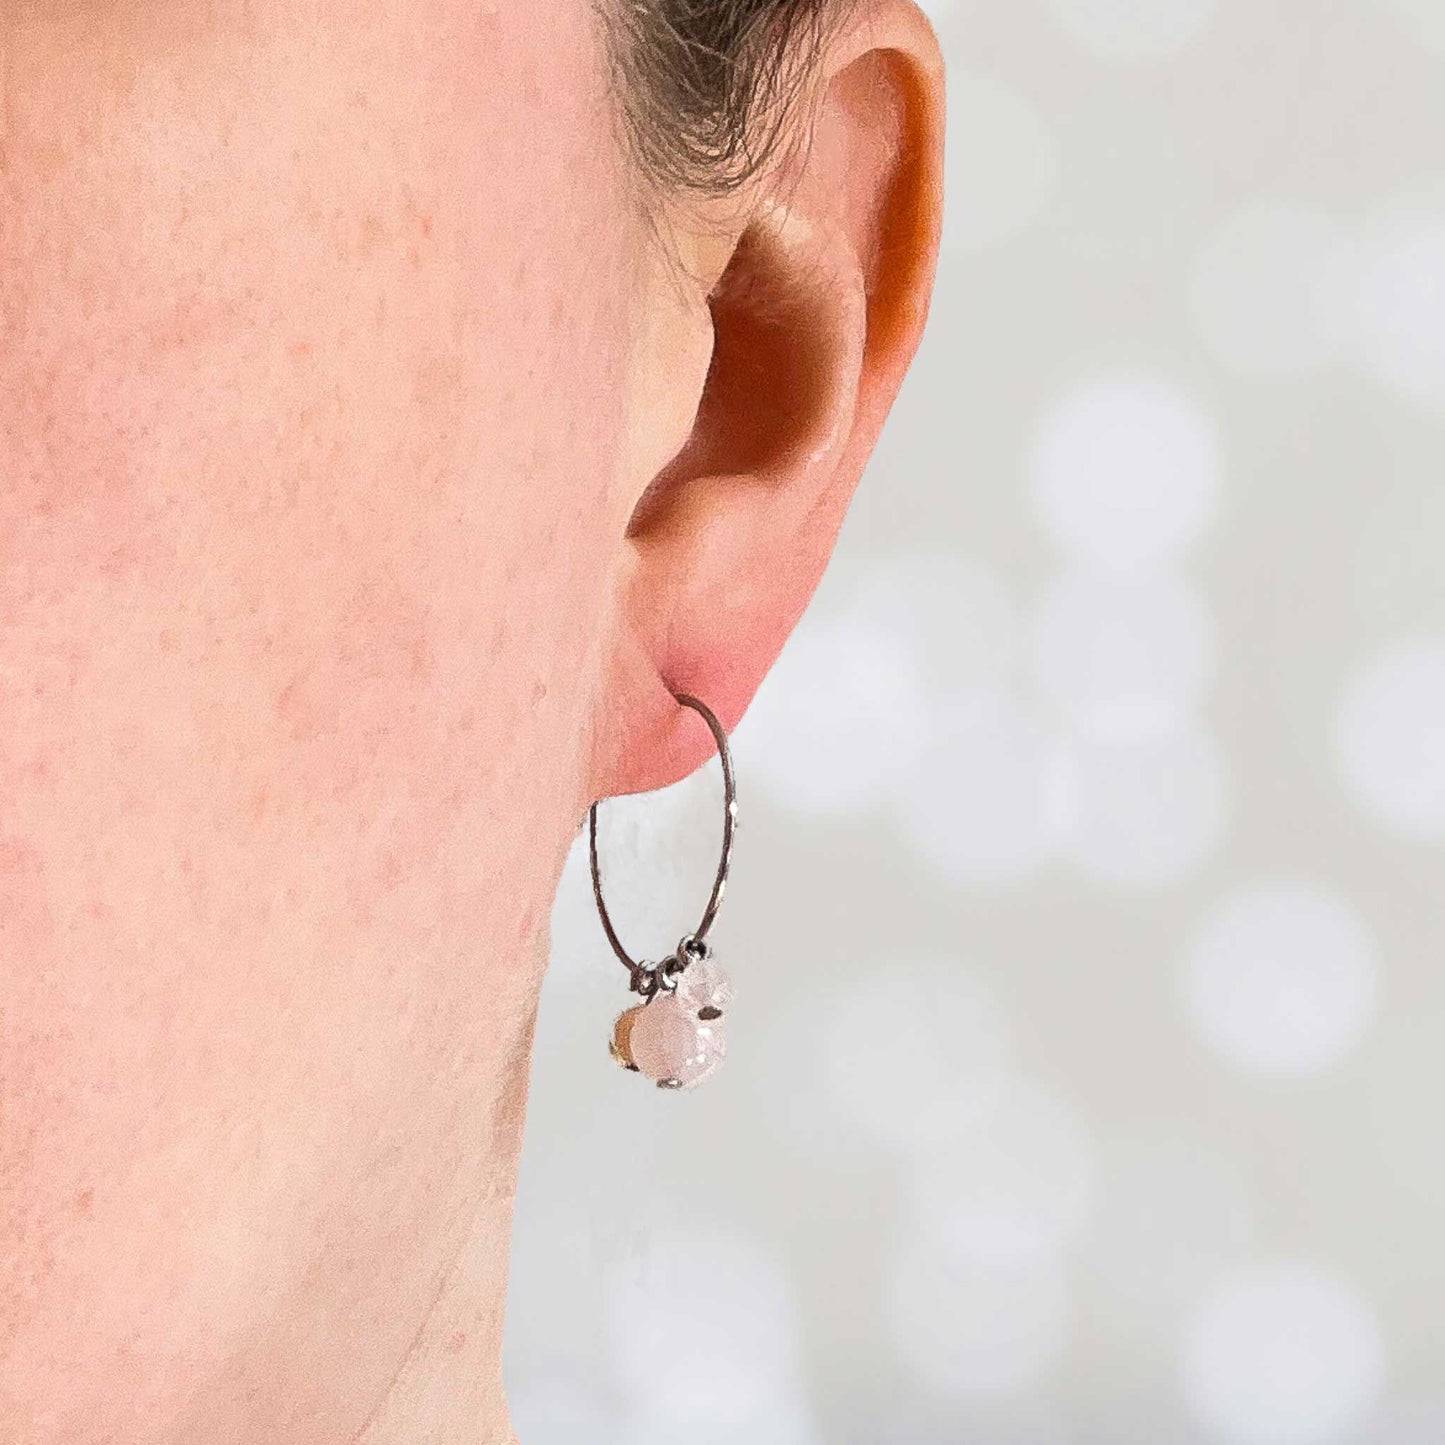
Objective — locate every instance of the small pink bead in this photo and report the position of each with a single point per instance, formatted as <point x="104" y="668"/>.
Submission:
<point x="704" y="985"/>
<point x="672" y="1046"/>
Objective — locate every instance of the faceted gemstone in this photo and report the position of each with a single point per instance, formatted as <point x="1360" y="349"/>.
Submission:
<point x="672" y="1046"/>
<point x="620" y="1048"/>
<point x="704" y="989"/>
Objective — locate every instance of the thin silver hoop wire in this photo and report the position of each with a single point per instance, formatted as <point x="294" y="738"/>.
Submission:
<point x="693" y="943"/>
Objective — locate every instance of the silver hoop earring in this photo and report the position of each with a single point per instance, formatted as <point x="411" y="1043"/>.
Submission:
<point x="675" y="1036"/>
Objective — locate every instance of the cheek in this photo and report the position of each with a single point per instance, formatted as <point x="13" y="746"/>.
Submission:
<point x="293" y="476"/>
<point x="302" y="541"/>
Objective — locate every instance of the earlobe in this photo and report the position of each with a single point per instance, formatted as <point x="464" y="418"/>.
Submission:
<point x="815" y="318"/>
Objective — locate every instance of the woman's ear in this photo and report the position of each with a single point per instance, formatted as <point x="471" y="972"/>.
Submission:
<point x="781" y="375"/>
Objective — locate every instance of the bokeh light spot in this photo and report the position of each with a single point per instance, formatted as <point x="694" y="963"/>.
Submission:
<point x="1282" y="978"/>
<point x="1389" y="737"/>
<point x="1125" y="472"/>
<point x="1281" y="1355"/>
<point x="1123" y="658"/>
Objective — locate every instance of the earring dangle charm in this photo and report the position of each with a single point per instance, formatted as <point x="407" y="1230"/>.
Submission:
<point x="675" y="1036"/>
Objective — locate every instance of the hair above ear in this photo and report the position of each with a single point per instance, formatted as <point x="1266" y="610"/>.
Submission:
<point x="706" y="91"/>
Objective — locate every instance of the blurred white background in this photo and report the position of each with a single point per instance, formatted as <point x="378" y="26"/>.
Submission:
<point x="1087" y="912"/>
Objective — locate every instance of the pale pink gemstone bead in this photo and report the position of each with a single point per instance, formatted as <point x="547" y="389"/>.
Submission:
<point x="672" y="1046"/>
<point x="704" y="985"/>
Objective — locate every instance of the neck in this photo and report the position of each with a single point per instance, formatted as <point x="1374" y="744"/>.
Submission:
<point x="447" y="1389"/>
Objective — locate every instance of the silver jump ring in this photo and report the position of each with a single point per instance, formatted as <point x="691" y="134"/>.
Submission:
<point x="644" y="979"/>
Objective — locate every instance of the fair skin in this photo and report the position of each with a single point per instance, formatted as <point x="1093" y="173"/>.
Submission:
<point x="335" y="362"/>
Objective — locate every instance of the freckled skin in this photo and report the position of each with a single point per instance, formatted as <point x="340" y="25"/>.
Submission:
<point x="284" y="395"/>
